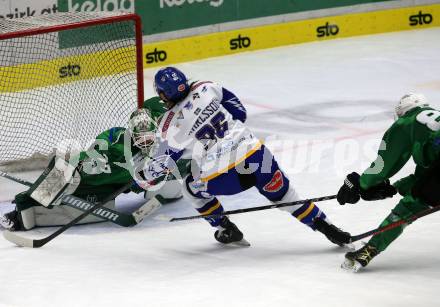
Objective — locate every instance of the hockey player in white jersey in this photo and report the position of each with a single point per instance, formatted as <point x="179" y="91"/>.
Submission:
<point x="205" y="123"/>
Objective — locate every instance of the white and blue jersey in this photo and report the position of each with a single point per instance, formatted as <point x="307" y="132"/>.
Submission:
<point x="208" y="128"/>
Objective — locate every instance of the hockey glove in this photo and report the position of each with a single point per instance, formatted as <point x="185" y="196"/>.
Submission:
<point x="350" y="190"/>
<point x="381" y="191"/>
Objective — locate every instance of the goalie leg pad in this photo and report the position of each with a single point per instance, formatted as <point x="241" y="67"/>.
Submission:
<point x="61" y="215"/>
<point x="40" y="216"/>
<point x="27" y="218"/>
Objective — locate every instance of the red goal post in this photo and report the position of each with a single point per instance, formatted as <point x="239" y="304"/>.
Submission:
<point x="66" y="76"/>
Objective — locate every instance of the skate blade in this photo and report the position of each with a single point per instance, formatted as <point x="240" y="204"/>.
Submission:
<point x="351" y="265"/>
<point x="242" y="243"/>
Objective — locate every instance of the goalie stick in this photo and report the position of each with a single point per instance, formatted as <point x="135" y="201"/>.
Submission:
<point x="119" y="218"/>
<point x="16" y="179"/>
<point x="250" y="209"/>
<point x="394" y="224"/>
<point x="35" y="243"/>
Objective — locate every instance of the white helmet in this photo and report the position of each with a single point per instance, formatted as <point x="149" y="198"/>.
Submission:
<point x="142" y="129"/>
<point x="409" y="102"/>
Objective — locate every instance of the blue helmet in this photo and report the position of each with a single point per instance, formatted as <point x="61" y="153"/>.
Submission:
<point x="172" y="83"/>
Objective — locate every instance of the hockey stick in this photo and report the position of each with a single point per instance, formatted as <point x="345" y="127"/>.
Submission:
<point x="16" y="179"/>
<point x="118" y="218"/>
<point x="237" y="211"/>
<point x="35" y="243"/>
<point x="394" y="224"/>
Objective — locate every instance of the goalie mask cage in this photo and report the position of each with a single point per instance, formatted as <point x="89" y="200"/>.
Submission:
<point x="64" y="78"/>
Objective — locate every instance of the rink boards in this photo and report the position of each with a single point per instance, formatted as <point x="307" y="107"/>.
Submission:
<point x="269" y="36"/>
<point x="91" y="65"/>
<point x="85" y="66"/>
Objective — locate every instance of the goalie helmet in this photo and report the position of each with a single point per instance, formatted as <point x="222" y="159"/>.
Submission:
<point x="171" y="85"/>
<point x="142" y="129"/>
<point x="409" y="102"/>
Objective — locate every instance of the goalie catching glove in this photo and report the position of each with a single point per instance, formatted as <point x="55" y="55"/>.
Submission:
<point x="351" y="191"/>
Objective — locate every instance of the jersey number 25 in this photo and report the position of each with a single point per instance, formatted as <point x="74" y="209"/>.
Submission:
<point x="215" y="129"/>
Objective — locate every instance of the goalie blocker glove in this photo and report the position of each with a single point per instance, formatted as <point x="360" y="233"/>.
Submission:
<point x="351" y="191"/>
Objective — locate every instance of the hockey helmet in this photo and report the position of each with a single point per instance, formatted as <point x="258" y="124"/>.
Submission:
<point x="171" y="85"/>
<point x="142" y="129"/>
<point x="409" y="102"/>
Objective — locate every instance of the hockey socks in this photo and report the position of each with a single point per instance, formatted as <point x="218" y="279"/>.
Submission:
<point x="212" y="207"/>
<point x="307" y="213"/>
<point x="405" y="209"/>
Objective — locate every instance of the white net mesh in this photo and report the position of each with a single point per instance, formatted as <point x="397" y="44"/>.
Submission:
<point x="63" y="86"/>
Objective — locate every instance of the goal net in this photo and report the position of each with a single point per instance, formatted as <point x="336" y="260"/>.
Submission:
<point x="64" y="78"/>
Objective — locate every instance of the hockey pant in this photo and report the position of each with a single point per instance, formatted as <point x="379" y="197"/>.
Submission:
<point x="259" y="170"/>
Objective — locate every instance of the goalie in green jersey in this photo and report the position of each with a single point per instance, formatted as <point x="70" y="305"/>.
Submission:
<point x="110" y="163"/>
<point x="416" y="134"/>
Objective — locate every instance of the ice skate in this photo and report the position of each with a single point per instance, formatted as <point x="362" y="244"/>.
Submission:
<point x="356" y="260"/>
<point x="334" y="234"/>
<point x="228" y="233"/>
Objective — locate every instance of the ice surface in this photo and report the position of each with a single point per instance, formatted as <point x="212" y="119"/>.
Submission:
<point x="322" y="108"/>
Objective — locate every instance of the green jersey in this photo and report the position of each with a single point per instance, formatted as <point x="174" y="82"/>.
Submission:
<point x="109" y="166"/>
<point x="104" y="166"/>
<point x="409" y="136"/>
<point x="105" y="162"/>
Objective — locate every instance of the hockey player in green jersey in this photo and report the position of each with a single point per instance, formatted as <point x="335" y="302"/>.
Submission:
<point x="416" y="134"/>
<point x="107" y="165"/>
